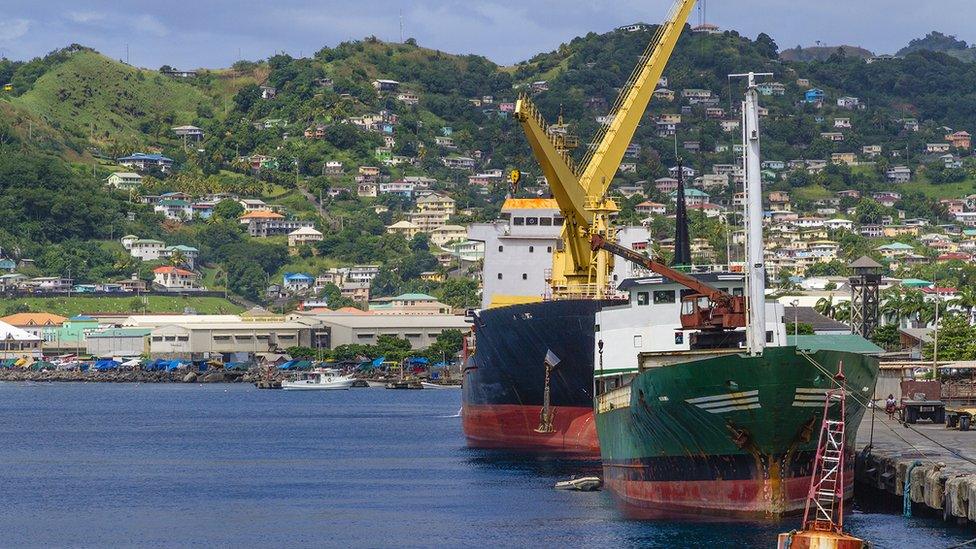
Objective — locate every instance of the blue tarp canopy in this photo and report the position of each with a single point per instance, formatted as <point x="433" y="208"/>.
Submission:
<point x="237" y="366"/>
<point x="105" y="365"/>
<point x="160" y="365"/>
<point x="418" y="360"/>
<point x="296" y="365"/>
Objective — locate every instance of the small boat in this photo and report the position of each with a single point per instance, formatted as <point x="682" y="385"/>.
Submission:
<point x="428" y="385"/>
<point x="319" y="380"/>
<point x="374" y="384"/>
<point x="582" y="484"/>
<point x="404" y="385"/>
<point x="360" y="384"/>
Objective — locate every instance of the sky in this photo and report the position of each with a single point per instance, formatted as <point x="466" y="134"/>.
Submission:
<point x="215" y="33"/>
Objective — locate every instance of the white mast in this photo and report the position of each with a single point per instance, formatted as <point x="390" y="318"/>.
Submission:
<point x="755" y="267"/>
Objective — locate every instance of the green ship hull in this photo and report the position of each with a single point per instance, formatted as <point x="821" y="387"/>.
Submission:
<point x="724" y="434"/>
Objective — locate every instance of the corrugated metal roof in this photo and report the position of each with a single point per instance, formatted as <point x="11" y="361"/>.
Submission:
<point x="849" y="342"/>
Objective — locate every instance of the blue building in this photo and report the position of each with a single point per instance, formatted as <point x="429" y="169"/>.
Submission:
<point x="297" y="282"/>
<point x="814" y="95"/>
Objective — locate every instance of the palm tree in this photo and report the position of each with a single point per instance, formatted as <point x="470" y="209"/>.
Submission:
<point x="177" y="258"/>
<point x="825" y="306"/>
<point x="842" y="311"/>
<point x="893" y="305"/>
<point x="914" y="304"/>
<point x="966" y="298"/>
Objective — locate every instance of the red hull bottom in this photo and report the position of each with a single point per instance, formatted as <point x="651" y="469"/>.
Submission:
<point x="512" y="427"/>
<point x="712" y="499"/>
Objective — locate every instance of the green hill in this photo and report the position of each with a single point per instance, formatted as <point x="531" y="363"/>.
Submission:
<point x="91" y="98"/>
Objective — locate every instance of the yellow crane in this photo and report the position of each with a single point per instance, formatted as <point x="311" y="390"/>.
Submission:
<point x="580" y="188"/>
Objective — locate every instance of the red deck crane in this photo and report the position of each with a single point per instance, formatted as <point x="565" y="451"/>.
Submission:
<point x="708" y="308"/>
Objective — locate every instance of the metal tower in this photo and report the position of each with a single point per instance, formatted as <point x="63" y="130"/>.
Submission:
<point x="864" y="295"/>
<point x="824" y="510"/>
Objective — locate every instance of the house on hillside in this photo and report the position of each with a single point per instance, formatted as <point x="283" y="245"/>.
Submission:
<point x="125" y="181"/>
<point x="143" y="161"/>
<point x="191" y="133"/>
<point x="382" y="85"/>
<point x="814" y="95"/>
<point x="302" y="236"/>
<point x="960" y="140"/>
<point x="177" y="210"/>
<point x="174" y="278"/>
<point x="899" y="174"/>
<point x="848" y="102"/>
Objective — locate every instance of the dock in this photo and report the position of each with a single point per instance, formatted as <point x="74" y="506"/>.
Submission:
<point x="940" y="464"/>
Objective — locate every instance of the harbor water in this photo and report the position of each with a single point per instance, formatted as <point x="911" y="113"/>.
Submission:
<point x="228" y="465"/>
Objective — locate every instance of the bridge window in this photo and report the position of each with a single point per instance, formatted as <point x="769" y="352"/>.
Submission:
<point x="531" y="249"/>
<point x="501" y="249"/>
<point x="519" y="221"/>
<point x="499" y="276"/>
<point x="663" y="296"/>
<point x="545" y="221"/>
<point x="525" y="276"/>
<point x="638" y="341"/>
<point x="643" y="298"/>
<point x="531" y="220"/>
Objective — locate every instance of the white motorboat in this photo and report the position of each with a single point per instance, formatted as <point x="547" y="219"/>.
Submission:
<point x="584" y="484"/>
<point x="319" y="380"/>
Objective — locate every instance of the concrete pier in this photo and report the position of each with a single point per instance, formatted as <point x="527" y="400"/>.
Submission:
<point x="942" y="467"/>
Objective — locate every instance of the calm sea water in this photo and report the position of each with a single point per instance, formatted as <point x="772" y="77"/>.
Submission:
<point x="229" y="465"/>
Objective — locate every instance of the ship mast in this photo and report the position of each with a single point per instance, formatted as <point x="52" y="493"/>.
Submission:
<point x="755" y="267"/>
<point x="581" y="188"/>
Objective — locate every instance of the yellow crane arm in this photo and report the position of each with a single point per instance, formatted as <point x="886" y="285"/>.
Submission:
<point x="601" y="163"/>
<point x="556" y="165"/>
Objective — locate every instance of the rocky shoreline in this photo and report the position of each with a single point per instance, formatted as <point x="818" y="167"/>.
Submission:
<point x="133" y="376"/>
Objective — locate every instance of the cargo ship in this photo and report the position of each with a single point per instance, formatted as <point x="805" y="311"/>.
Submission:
<point x="703" y="407"/>
<point x="528" y="373"/>
<point x="520" y="322"/>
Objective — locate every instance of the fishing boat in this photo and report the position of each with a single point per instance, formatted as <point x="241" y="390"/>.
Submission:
<point x="703" y="407"/>
<point x="321" y="379"/>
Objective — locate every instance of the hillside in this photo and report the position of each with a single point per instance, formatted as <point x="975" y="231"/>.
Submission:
<point x="938" y="42"/>
<point x="822" y="53"/>
<point x="272" y="127"/>
<point x="91" y="98"/>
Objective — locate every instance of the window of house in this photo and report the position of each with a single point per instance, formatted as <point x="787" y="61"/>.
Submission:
<point x="738" y="291"/>
<point x="643" y="298"/>
<point x="183" y="338"/>
<point x="364" y="336"/>
<point x="663" y="296"/>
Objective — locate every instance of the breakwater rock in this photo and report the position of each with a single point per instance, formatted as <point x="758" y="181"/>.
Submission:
<point x="130" y="376"/>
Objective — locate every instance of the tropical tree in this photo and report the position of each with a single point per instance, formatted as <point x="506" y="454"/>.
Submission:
<point x="177" y="259"/>
<point x="893" y="305"/>
<point x="825" y="306"/>
<point x="842" y="311"/>
<point x="966" y="299"/>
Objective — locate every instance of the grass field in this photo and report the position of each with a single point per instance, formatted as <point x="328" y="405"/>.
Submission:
<point x="71" y="306"/>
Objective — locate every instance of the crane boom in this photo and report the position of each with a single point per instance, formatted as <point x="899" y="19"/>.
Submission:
<point x="610" y="144"/>
<point x="580" y="189"/>
<point x="721" y="311"/>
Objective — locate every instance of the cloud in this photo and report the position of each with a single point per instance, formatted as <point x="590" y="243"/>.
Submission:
<point x="13" y="29"/>
<point x="149" y="24"/>
<point x="85" y="16"/>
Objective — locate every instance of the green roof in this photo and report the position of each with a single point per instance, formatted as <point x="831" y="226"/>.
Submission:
<point x="850" y="343"/>
<point x="183" y="248"/>
<point x="689" y="191"/>
<point x="416" y="297"/>
<point x="895" y="246"/>
<point x="916" y="282"/>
